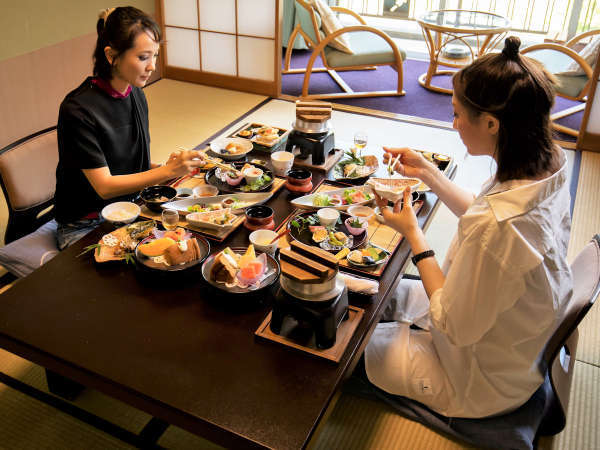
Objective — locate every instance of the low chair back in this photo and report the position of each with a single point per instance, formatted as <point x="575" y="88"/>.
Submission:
<point x="559" y="354"/>
<point x="28" y="180"/>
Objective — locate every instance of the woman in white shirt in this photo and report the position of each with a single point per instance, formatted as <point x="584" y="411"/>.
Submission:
<point x="490" y="309"/>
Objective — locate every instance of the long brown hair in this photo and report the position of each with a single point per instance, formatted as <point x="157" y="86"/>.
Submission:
<point x="519" y="92"/>
<point x="118" y="29"/>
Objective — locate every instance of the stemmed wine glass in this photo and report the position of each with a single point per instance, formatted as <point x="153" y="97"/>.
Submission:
<point x="170" y="219"/>
<point x="360" y="141"/>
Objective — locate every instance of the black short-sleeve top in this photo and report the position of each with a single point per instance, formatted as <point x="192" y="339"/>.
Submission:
<point x="96" y="130"/>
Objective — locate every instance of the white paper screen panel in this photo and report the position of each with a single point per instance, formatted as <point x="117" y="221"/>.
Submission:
<point x="233" y="44"/>
<point x="218" y="53"/>
<point x="256" y="18"/>
<point x="183" y="48"/>
<point x="256" y="58"/>
<point x="181" y="13"/>
<point x="217" y="15"/>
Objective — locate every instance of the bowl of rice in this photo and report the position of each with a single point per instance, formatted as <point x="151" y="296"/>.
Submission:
<point x="121" y="212"/>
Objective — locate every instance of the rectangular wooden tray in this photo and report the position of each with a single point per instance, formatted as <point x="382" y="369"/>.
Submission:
<point x="335" y="353"/>
<point x="264" y="147"/>
<point x="378" y="234"/>
<point x="218" y="235"/>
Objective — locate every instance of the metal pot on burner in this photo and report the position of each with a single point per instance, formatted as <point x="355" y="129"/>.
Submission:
<point x="304" y="126"/>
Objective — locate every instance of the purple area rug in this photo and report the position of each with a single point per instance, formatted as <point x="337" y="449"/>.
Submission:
<point x="418" y="101"/>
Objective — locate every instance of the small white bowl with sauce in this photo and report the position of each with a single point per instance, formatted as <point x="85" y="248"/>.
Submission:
<point x="261" y="240"/>
<point x="205" y="190"/>
<point x="251" y="174"/>
<point x="364" y="212"/>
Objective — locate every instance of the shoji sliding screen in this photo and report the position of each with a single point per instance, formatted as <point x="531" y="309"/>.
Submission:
<point x="234" y="44"/>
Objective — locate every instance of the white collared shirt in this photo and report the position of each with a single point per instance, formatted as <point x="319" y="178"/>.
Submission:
<point x="507" y="283"/>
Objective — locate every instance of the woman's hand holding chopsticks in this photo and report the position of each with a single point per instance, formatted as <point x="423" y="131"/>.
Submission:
<point x="407" y="162"/>
<point x="182" y="162"/>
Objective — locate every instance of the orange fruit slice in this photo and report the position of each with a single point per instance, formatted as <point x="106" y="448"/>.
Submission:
<point x="156" y="247"/>
<point x="248" y="257"/>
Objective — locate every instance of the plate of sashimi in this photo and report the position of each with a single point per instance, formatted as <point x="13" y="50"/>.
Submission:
<point x="240" y="270"/>
<point x="337" y="198"/>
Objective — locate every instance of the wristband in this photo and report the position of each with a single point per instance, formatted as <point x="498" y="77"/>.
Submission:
<point x="426" y="254"/>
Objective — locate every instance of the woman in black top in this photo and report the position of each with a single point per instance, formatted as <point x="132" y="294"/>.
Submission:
<point x="103" y="137"/>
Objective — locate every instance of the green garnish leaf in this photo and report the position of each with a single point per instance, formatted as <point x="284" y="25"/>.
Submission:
<point x="321" y="200"/>
<point x="89" y="248"/>
<point x="129" y="258"/>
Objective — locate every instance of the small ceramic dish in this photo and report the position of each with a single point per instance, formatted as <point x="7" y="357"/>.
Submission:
<point x="261" y="239"/>
<point x="361" y="211"/>
<point x="251" y="174"/>
<point x="356" y="230"/>
<point x="392" y="189"/>
<point x="183" y="193"/>
<point x="206" y="190"/>
<point x="231" y="148"/>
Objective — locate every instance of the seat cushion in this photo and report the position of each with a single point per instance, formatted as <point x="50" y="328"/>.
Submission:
<point x="571" y="86"/>
<point x="558" y="64"/>
<point x="23" y="256"/>
<point x="589" y="53"/>
<point x="303" y="17"/>
<point x="331" y="24"/>
<point x="368" y="48"/>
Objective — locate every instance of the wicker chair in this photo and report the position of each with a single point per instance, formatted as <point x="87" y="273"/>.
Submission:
<point x="556" y="58"/>
<point x="372" y="47"/>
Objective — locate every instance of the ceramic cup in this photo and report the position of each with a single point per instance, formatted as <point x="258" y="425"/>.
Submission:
<point x="328" y="216"/>
<point x="261" y="238"/>
<point x="282" y="162"/>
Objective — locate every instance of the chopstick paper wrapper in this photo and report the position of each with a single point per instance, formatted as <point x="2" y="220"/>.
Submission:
<point x="360" y="285"/>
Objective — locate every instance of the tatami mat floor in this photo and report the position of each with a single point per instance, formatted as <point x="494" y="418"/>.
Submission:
<point x="184" y="114"/>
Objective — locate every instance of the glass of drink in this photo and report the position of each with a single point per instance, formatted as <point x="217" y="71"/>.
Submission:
<point x="360" y="141"/>
<point x="170" y="219"/>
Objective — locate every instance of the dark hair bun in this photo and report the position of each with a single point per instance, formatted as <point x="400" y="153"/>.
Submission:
<point x="511" y="47"/>
<point x="99" y="26"/>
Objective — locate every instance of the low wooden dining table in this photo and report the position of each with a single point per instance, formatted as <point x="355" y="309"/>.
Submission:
<point x="171" y="348"/>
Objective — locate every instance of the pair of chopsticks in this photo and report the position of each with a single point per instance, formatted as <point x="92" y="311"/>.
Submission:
<point x="392" y="164"/>
<point x="215" y="162"/>
<point x="185" y="177"/>
<point x="280" y="235"/>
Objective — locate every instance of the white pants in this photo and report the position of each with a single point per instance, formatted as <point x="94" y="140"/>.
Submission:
<point x="403" y="361"/>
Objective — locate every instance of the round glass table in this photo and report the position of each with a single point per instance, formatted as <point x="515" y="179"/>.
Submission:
<point x="455" y="38"/>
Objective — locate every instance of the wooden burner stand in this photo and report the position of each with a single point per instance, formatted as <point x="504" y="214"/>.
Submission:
<point x="323" y="312"/>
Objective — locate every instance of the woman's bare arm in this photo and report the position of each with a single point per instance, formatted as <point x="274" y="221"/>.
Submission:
<point x="109" y="186"/>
